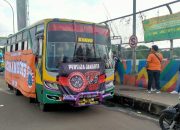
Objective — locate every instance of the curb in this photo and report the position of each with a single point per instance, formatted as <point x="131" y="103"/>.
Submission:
<point x="148" y="106"/>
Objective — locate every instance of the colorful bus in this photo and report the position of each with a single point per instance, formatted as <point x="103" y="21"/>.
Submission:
<point x="1" y="62"/>
<point x="61" y="61"/>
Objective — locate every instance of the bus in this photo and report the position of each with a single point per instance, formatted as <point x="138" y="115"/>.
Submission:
<point x="1" y="62"/>
<point x="57" y="61"/>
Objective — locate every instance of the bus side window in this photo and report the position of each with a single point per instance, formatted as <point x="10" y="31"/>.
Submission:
<point x="16" y="46"/>
<point x="22" y="45"/>
<point x="19" y="46"/>
<point x="11" y="48"/>
<point x="40" y="42"/>
<point x="8" y="49"/>
<point x="28" y="44"/>
<point x="19" y="39"/>
<point x="24" y="40"/>
<point x="32" y="35"/>
<point x="9" y="41"/>
<point x="25" y="45"/>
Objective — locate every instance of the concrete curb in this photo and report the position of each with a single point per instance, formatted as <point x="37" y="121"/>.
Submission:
<point x="146" y="105"/>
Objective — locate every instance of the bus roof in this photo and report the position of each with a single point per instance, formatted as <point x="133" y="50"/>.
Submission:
<point x="58" y="19"/>
<point x="55" y="20"/>
<point x="65" y="20"/>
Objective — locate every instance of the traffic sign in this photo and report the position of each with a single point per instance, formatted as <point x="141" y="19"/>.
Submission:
<point x="133" y="41"/>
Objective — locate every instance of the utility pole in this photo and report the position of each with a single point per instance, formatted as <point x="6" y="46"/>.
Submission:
<point x="171" y="41"/>
<point x="21" y="13"/>
<point x="134" y="33"/>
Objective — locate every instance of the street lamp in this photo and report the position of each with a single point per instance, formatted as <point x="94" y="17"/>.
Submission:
<point x="12" y="13"/>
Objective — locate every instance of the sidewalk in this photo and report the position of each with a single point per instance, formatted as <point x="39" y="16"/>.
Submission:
<point x="139" y="98"/>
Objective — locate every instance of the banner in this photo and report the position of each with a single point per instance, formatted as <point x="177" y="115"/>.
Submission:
<point x="162" y="28"/>
<point x="82" y="76"/>
<point x="20" y="72"/>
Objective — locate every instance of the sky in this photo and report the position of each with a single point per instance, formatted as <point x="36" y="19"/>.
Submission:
<point x="86" y="10"/>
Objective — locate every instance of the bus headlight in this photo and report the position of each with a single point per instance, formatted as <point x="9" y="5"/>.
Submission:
<point x="102" y="92"/>
<point x="109" y="85"/>
<point x="50" y="85"/>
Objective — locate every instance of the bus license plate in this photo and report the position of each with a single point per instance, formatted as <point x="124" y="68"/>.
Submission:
<point x="87" y="101"/>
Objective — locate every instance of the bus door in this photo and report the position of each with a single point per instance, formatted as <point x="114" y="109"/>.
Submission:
<point x="37" y="50"/>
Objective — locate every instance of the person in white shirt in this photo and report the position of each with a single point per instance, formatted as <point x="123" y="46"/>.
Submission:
<point x="177" y="90"/>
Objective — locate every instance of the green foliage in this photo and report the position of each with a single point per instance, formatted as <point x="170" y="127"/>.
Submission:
<point x="142" y="52"/>
<point x="176" y="52"/>
<point x="166" y="54"/>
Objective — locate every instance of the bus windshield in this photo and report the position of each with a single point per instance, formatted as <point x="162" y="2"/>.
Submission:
<point x="63" y="47"/>
<point x="63" y="52"/>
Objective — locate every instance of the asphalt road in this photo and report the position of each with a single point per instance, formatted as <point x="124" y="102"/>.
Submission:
<point x="16" y="113"/>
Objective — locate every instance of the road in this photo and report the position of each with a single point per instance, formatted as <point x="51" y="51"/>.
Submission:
<point x="16" y="113"/>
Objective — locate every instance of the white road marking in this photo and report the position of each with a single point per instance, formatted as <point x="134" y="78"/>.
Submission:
<point x="5" y="91"/>
<point x="1" y="105"/>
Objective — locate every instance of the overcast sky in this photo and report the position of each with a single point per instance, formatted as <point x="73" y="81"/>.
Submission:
<point x="87" y="10"/>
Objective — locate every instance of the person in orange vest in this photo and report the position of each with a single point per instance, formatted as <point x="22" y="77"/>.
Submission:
<point x="154" y="60"/>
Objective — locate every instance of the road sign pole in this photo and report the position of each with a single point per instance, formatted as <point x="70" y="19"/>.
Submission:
<point x="134" y="33"/>
<point x="171" y="41"/>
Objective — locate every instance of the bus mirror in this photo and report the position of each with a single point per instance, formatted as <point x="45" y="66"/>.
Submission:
<point x="35" y="47"/>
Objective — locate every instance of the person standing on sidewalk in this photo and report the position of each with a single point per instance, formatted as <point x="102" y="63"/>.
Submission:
<point x="116" y="60"/>
<point x="177" y="90"/>
<point x="154" y="60"/>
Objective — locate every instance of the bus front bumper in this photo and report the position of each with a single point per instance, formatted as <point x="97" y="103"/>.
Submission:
<point x="86" y="98"/>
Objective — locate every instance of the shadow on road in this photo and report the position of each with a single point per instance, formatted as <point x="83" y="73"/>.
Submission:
<point x="66" y="108"/>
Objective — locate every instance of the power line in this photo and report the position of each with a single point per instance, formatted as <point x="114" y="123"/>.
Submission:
<point x="141" y="11"/>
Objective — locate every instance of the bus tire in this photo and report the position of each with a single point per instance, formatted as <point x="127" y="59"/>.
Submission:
<point x="10" y="87"/>
<point x="33" y="100"/>
<point x="17" y="92"/>
<point x="43" y="107"/>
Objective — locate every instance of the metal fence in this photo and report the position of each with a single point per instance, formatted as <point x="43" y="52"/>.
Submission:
<point x="143" y="51"/>
<point x="122" y="29"/>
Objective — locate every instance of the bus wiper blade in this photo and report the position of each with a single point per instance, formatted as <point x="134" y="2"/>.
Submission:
<point x="76" y="60"/>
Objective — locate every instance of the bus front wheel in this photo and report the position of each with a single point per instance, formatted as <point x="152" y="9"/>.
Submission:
<point x="33" y="100"/>
<point x="17" y="92"/>
<point x="10" y="87"/>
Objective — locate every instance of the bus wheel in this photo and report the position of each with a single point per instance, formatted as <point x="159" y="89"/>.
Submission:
<point x="43" y="107"/>
<point x="10" y="87"/>
<point x="17" y="92"/>
<point x="33" y="100"/>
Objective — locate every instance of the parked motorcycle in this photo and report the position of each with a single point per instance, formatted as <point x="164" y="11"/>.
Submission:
<point x="170" y="118"/>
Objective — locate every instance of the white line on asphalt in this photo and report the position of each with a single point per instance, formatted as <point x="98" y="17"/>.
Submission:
<point x="5" y="91"/>
<point x="1" y="105"/>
